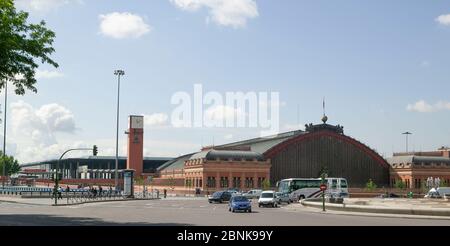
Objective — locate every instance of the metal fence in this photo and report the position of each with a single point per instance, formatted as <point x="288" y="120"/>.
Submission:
<point x="85" y="197"/>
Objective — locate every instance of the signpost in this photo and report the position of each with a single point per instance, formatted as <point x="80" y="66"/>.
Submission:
<point x="323" y="188"/>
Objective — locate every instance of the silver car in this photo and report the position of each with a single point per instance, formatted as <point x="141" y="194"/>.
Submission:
<point x="253" y="194"/>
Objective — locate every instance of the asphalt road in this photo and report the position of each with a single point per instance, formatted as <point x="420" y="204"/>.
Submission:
<point x="185" y="211"/>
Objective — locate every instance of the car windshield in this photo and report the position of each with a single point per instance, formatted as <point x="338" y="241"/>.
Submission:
<point x="240" y="199"/>
<point x="267" y="195"/>
<point x="217" y="194"/>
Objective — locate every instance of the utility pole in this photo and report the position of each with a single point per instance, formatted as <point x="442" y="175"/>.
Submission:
<point x="4" y="136"/>
<point x="118" y="73"/>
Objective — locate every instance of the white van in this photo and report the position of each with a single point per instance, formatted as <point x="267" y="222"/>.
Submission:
<point x="441" y="192"/>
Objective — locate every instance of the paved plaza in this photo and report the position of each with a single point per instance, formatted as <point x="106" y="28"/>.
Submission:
<point x="189" y="211"/>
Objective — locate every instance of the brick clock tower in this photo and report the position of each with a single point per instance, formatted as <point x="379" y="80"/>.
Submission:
<point x="135" y="159"/>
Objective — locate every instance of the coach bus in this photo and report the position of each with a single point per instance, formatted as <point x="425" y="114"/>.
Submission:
<point x="303" y="188"/>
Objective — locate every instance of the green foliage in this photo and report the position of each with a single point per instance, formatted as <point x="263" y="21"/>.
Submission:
<point x="12" y="165"/>
<point x="265" y="184"/>
<point x="400" y="184"/>
<point x="370" y="186"/>
<point x="21" y="44"/>
<point x="139" y="180"/>
<point x="171" y="182"/>
<point x="443" y="183"/>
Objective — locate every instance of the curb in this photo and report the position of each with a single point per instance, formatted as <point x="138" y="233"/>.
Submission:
<point x="79" y="203"/>
<point x="104" y="201"/>
<point x="380" y="210"/>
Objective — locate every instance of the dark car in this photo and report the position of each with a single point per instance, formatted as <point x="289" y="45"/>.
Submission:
<point x="389" y="195"/>
<point x="239" y="203"/>
<point x="220" y="196"/>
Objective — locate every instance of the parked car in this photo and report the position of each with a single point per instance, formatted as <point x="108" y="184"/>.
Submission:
<point x="251" y="194"/>
<point x="441" y="192"/>
<point x="268" y="198"/>
<point x="389" y="195"/>
<point x="220" y="196"/>
<point x="283" y="197"/>
<point x="239" y="203"/>
<point x="233" y="191"/>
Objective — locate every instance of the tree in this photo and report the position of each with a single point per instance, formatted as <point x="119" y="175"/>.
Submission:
<point x="265" y="184"/>
<point x="370" y="186"/>
<point x="171" y="182"/>
<point x="139" y="180"/>
<point x="400" y="184"/>
<point x="21" y="44"/>
<point x="12" y="165"/>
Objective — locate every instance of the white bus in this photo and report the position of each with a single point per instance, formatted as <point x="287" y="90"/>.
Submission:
<point x="303" y="188"/>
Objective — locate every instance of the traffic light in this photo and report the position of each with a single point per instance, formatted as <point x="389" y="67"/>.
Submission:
<point x="95" y="150"/>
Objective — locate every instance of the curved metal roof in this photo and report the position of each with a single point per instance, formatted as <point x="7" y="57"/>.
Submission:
<point x="213" y="154"/>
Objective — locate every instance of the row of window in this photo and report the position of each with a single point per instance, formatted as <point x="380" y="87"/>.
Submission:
<point x="418" y="183"/>
<point x="224" y="182"/>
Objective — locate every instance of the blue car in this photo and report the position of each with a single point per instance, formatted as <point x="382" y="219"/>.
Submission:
<point x="240" y="203"/>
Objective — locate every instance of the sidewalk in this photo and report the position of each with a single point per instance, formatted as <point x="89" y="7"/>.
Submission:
<point x="28" y="201"/>
<point x="419" y="207"/>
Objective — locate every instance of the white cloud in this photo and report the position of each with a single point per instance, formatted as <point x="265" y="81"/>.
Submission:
<point x="41" y="125"/>
<point x="123" y="25"/>
<point x="33" y="131"/>
<point x="157" y="119"/>
<point x="233" y="13"/>
<point x="443" y="20"/>
<point x="43" y="6"/>
<point x="46" y="74"/>
<point x="423" y="107"/>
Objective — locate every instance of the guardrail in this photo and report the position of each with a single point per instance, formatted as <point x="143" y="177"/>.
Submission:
<point x="85" y="197"/>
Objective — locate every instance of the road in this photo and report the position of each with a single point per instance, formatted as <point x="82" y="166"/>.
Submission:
<point x="185" y="211"/>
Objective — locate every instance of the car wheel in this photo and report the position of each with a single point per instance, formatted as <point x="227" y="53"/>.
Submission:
<point x="249" y="210"/>
<point x="229" y="209"/>
<point x="259" y="205"/>
<point x="232" y="210"/>
<point x="275" y="205"/>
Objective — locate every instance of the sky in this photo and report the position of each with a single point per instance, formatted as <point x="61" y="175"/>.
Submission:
<point x="382" y="67"/>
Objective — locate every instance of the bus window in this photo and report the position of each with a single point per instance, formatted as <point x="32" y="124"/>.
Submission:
<point x="334" y="184"/>
<point x="344" y="184"/>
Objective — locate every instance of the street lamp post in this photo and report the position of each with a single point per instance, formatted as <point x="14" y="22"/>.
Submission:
<point x="406" y="134"/>
<point x="4" y="136"/>
<point x="119" y="73"/>
<point x="56" y="177"/>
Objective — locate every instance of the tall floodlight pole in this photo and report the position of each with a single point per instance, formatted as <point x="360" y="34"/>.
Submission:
<point x="406" y="134"/>
<point x="4" y="136"/>
<point x="119" y="73"/>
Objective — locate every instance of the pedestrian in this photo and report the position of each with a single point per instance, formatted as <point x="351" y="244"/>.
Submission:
<point x="60" y="193"/>
<point x="100" y="190"/>
<point x="165" y="193"/>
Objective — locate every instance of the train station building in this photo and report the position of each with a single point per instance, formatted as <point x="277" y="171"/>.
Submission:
<point x="244" y="165"/>
<point x="414" y="168"/>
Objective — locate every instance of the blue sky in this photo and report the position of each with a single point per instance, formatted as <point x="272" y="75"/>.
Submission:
<point x="369" y="59"/>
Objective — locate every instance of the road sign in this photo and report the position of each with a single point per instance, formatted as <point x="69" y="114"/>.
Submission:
<point x="323" y="187"/>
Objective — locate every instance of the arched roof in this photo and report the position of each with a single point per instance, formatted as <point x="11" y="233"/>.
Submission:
<point x="326" y="133"/>
<point x="213" y="154"/>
